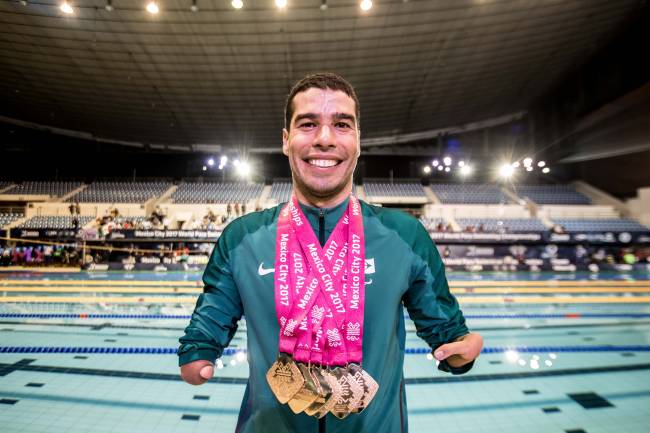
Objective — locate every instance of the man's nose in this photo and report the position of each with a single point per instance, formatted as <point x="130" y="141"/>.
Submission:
<point x="325" y="136"/>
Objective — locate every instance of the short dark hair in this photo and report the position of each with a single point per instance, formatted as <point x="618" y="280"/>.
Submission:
<point x="321" y="80"/>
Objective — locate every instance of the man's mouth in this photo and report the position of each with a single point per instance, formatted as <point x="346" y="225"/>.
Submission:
<point x="323" y="162"/>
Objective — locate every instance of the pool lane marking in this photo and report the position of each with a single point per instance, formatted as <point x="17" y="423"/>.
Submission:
<point x="199" y="283"/>
<point x="461" y="299"/>
<point x="233" y="351"/>
<point x="455" y="291"/>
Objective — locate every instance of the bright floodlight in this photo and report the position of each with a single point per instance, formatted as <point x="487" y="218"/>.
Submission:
<point x="440" y="168"/>
<point x="152" y="7"/>
<point x="427" y="169"/>
<point x="244" y="169"/>
<point x="435" y="163"/>
<point x="546" y="170"/>
<point x="465" y="170"/>
<point x="205" y="168"/>
<point x="236" y="163"/>
<point x="461" y="163"/>
<point x="541" y="164"/>
<point x="366" y="5"/>
<point x="515" y="164"/>
<point x="281" y="4"/>
<point x="66" y="8"/>
<point x="447" y="169"/>
<point x="506" y="170"/>
<point x="211" y="162"/>
<point x="446" y="160"/>
<point x="529" y="168"/>
<point x="528" y="161"/>
<point x="237" y="4"/>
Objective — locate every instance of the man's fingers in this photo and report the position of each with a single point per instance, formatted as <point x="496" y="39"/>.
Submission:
<point x="207" y="372"/>
<point x="446" y="350"/>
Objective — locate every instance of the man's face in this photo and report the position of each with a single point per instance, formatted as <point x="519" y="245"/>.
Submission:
<point x="322" y="145"/>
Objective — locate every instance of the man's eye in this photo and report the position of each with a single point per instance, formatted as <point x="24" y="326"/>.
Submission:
<point x="342" y="125"/>
<point x="307" y="125"/>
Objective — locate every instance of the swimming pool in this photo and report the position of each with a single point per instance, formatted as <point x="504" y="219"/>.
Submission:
<point x="96" y="352"/>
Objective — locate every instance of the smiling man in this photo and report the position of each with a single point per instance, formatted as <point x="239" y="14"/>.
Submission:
<point x="323" y="281"/>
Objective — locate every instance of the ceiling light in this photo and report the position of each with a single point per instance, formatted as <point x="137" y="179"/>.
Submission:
<point x="461" y="163"/>
<point x="237" y="4"/>
<point x="435" y="163"/>
<point x="447" y="160"/>
<point x="223" y="160"/>
<point x="281" y="4"/>
<point x="427" y="169"/>
<point x="194" y="7"/>
<point x="211" y="162"/>
<point x="366" y="5"/>
<point x="527" y="161"/>
<point x="152" y="7"/>
<point x="465" y="170"/>
<point x="515" y="164"/>
<point x="541" y="164"/>
<point x="506" y="170"/>
<point x="205" y="168"/>
<point x="440" y="168"/>
<point x="529" y="168"/>
<point x="546" y="170"/>
<point x="447" y="169"/>
<point x="66" y="8"/>
<point x="243" y="169"/>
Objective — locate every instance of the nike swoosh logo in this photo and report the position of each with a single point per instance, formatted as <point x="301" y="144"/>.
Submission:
<point x="264" y="271"/>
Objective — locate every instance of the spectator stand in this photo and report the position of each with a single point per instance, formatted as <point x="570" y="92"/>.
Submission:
<point x="387" y="192"/>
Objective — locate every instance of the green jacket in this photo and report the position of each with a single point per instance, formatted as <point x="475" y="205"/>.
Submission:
<point x="403" y="267"/>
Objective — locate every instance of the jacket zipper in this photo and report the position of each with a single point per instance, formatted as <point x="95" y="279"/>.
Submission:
<point x="321" y="238"/>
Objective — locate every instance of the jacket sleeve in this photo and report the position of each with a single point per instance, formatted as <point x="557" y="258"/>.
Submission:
<point x="217" y="310"/>
<point x="435" y="311"/>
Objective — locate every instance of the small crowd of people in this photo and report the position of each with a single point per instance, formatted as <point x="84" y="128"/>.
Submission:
<point x="39" y="255"/>
<point x="113" y="220"/>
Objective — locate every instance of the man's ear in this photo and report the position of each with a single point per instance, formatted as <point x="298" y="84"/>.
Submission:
<point x="285" y="141"/>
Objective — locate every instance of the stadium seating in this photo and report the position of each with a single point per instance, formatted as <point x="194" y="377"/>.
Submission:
<point x="120" y="192"/>
<point x="396" y="189"/>
<point x="53" y="189"/>
<point x="8" y="218"/>
<point x="511" y="225"/>
<point x="54" y="222"/>
<point x="600" y="225"/>
<point x="280" y="191"/>
<point x="469" y="193"/>
<point x="551" y="194"/>
<point x="216" y="192"/>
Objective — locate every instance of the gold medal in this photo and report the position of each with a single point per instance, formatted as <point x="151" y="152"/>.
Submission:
<point x="323" y="388"/>
<point x="336" y="393"/>
<point x="351" y="391"/>
<point x="370" y="386"/>
<point x="307" y="394"/>
<point x="284" y="378"/>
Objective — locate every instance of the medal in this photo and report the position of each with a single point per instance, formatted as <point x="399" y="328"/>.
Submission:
<point x="336" y="393"/>
<point x="284" y="378"/>
<point x="307" y="394"/>
<point x="351" y="393"/>
<point x="370" y="386"/>
<point x="324" y="391"/>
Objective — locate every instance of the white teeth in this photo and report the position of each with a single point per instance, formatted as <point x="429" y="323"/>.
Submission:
<point x="323" y="162"/>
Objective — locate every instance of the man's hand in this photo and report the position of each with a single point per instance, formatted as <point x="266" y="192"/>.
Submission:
<point x="462" y="351"/>
<point x="197" y="372"/>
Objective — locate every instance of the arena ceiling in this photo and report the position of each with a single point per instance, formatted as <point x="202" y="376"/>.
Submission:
<point x="219" y="76"/>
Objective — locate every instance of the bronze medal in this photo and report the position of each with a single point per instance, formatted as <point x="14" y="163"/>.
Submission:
<point x="334" y="385"/>
<point x="323" y="388"/>
<point x="307" y="394"/>
<point x="351" y="391"/>
<point x="370" y="386"/>
<point x="284" y="378"/>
